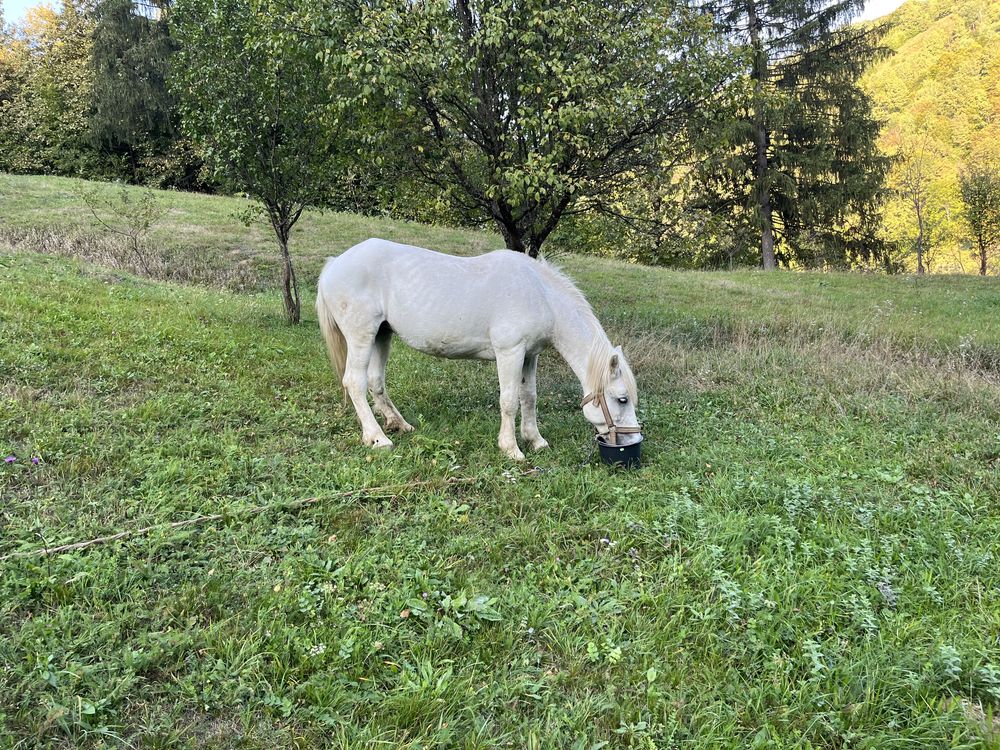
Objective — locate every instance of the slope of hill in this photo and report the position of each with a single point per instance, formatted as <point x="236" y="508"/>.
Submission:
<point x="940" y="95"/>
<point x="807" y="558"/>
<point x="200" y="240"/>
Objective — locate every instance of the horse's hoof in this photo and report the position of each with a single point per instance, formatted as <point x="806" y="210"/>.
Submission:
<point x="540" y="444"/>
<point x="515" y="454"/>
<point x="381" y="441"/>
<point x="395" y="426"/>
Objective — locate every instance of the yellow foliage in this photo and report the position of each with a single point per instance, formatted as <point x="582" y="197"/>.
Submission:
<point x="941" y="90"/>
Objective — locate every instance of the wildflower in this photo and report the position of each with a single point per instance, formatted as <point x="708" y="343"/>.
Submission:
<point x="10" y="459"/>
<point x="36" y="460"/>
<point x="318" y="649"/>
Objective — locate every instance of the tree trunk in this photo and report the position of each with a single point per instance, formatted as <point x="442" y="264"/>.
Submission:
<point x="541" y="233"/>
<point x="133" y="164"/>
<point x="764" y="203"/>
<point x="760" y="137"/>
<point x="511" y="237"/>
<point x="534" y="245"/>
<point x="982" y="259"/>
<point x="290" y="285"/>
<point x="283" y="218"/>
<point x="920" y="245"/>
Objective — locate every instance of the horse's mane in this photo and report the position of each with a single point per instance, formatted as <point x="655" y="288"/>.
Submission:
<point x="559" y="279"/>
<point x="599" y="359"/>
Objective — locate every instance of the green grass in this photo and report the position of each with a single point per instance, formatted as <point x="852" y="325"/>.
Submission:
<point x="809" y="557"/>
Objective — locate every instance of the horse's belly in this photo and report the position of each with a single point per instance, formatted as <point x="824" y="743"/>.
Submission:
<point x="459" y="315"/>
<point x="451" y="344"/>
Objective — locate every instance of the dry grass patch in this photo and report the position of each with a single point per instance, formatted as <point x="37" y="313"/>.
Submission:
<point x="108" y="251"/>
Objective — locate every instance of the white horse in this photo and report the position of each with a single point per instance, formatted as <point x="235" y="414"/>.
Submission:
<point x="500" y="306"/>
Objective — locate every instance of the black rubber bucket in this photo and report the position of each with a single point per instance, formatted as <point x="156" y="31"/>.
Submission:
<point x="626" y="456"/>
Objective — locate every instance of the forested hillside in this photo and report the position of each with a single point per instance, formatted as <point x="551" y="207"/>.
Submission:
<point x="763" y="149"/>
<point x="593" y="126"/>
<point x="940" y="96"/>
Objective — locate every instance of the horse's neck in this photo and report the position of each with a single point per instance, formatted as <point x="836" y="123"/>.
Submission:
<point x="575" y="332"/>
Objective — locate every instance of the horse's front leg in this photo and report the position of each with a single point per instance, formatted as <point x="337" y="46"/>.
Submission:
<point x="529" y="423"/>
<point x="509" y="364"/>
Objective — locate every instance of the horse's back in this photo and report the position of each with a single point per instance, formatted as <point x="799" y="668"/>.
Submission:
<point x="443" y="304"/>
<point x="376" y="252"/>
<point x="399" y="264"/>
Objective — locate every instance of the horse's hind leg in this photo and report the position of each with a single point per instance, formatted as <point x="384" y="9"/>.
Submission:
<point x="394" y="421"/>
<point x="360" y="346"/>
<point x="529" y="424"/>
<point x="509" y="364"/>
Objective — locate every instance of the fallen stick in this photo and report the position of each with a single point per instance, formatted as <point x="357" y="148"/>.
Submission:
<point x="389" y="490"/>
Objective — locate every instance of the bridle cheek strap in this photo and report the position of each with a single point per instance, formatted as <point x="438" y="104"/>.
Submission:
<point x="613" y="429"/>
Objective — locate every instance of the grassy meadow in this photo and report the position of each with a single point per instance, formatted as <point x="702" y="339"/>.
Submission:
<point x="810" y="556"/>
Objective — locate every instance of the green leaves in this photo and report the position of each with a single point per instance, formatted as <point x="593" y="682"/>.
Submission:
<point x="251" y="94"/>
<point x="248" y="94"/>
<point x="524" y="112"/>
<point x="454" y="613"/>
<point x="46" y="86"/>
<point x="980" y="186"/>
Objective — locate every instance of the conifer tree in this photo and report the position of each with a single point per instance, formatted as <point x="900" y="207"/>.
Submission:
<point x="802" y="163"/>
<point x="133" y="113"/>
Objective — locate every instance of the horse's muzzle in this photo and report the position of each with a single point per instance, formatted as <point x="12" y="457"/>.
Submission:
<point x="611" y="435"/>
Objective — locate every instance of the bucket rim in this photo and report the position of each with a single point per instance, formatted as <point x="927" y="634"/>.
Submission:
<point x="605" y="444"/>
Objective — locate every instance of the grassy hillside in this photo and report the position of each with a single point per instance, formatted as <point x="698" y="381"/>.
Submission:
<point x="808" y="557"/>
<point x="940" y="94"/>
<point x="199" y="239"/>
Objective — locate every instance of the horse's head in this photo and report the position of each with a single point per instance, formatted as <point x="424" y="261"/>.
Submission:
<point x="610" y="405"/>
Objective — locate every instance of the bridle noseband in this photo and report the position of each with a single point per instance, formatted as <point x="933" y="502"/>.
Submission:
<point x="611" y="436"/>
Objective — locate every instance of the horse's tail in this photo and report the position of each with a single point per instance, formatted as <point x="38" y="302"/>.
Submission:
<point x="336" y="344"/>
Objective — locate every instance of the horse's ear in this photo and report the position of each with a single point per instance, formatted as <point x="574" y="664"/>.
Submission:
<point x="614" y="362"/>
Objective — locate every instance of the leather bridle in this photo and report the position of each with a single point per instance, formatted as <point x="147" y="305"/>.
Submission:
<point x="611" y="435"/>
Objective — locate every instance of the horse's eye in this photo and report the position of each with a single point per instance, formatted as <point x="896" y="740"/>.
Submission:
<point x="623" y="399"/>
